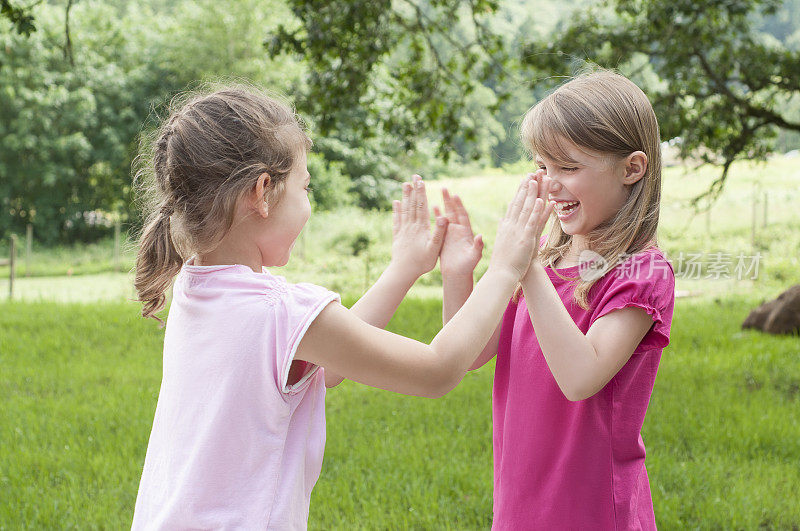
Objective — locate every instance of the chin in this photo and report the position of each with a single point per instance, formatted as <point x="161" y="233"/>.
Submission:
<point x="567" y="230"/>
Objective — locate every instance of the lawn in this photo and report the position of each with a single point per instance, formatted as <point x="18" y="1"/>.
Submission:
<point x="80" y="382"/>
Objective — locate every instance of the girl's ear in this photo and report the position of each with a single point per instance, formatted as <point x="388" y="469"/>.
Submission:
<point x="635" y="167"/>
<point x="260" y="195"/>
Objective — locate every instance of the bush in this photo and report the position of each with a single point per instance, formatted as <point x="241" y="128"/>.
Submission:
<point x="331" y="188"/>
<point x="375" y="193"/>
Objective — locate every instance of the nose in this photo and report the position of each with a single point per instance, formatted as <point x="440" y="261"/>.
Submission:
<point x="555" y="186"/>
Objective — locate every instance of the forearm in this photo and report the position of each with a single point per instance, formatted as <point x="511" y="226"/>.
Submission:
<point x="464" y="336"/>
<point x="455" y="291"/>
<point x="569" y="353"/>
<point x="378" y="304"/>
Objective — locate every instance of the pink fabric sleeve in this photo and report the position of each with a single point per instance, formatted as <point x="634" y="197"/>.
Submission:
<point x="302" y="303"/>
<point x="645" y="281"/>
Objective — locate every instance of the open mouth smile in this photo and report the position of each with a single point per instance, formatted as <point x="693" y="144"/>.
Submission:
<point x="566" y="209"/>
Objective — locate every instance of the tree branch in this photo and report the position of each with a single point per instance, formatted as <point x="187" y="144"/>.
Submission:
<point x="67" y="41"/>
<point x="750" y="110"/>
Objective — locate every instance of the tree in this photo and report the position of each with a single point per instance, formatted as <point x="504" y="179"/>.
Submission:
<point x="69" y="123"/>
<point x="66" y="129"/>
<point x="398" y="71"/>
<point x="720" y="86"/>
<point x="20" y="17"/>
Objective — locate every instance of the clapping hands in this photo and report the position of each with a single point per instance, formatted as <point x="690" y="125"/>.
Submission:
<point x="415" y="249"/>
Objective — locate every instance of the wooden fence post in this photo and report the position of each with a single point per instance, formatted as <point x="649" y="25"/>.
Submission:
<point x="12" y="253"/>
<point x="753" y="225"/>
<point x="28" y="248"/>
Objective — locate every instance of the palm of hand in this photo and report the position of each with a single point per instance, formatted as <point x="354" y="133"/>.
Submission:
<point x="461" y="250"/>
<point x="518" y="235"/>
<point x="411" y="247"/>
<point x="459" y="255"/>
<point x="414" y="248"/>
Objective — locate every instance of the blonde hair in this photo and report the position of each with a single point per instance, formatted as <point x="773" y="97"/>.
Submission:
<point x="607" y="113"/>
<point x="192" y="171"/>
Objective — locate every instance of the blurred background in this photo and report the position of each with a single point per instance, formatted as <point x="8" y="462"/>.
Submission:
<point x="389" y="88"/>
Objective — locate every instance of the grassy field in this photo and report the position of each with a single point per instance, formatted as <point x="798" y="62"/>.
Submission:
<point x="324" y="253"/>
<point x="79" y="386"/>
<point x="79" y="382"/>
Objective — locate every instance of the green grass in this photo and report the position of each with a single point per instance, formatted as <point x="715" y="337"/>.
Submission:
<point x="69" y="260"/>
<point x="79" y="387"/>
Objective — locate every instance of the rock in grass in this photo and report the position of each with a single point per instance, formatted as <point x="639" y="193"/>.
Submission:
<point x="779" y="316"/>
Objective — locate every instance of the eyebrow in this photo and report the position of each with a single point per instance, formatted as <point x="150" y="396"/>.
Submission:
<point x="538" y="160"/>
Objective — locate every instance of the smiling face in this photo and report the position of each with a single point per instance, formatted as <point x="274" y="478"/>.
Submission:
<point x="588" y="187"/>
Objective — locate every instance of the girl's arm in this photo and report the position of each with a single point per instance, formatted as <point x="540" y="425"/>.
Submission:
<point x="581" y="364"/>
<point x="460" y="254"/>
<point x="367" y="354"/>
<point x="414" y="253"/>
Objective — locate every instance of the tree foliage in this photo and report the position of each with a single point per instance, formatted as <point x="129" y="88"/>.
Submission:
<point x="720" y="85"/>
<point x="69" y="123"/>
<point x="399" y="69"/>
<point x="21" y="18"/>
<point x="66" y="131"/>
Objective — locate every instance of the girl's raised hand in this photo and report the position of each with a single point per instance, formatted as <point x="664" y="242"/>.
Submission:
<point x="414" y="248"/>
<point x="461" y="250"/>
<point x="517" y="242"/>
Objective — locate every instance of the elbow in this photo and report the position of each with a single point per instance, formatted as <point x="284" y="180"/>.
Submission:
<point x="442" y="383"/>
<point x="574" y="396"/>
<point x="578" y="391"/>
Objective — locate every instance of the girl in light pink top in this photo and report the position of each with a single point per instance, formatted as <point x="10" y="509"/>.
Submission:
<point x="580" y="342"/>
<point x="239" y="429"/>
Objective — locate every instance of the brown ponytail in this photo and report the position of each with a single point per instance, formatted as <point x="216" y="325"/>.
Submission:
<point x="191" y="174"/>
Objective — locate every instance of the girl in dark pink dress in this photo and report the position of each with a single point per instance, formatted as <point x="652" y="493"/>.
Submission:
<point x="580" y="343"/>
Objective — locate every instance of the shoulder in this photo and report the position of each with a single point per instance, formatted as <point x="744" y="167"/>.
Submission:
<point x="649" y="267"/>
<point x="646" y="276"/>
<point x="301" y="294"/>
<point x="646" y="281"/>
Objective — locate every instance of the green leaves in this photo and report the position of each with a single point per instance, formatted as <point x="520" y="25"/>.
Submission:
<point x="20" y="17"/>
<point x="717" y="83"/>
<point x="404" y="69"/>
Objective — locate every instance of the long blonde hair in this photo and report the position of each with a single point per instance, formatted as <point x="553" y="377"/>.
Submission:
<point x="607" y="113"/>
<point x="196" y="166"/>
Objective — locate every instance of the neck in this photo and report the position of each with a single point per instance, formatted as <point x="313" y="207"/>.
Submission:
<point x="228" y="252"/>
<point x="577" y="246"/>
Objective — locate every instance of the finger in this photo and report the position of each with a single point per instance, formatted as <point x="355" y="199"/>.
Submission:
<point x="437" y="212"/>
<point x="414" y="198"/>
<point x="435" y="243"/>
<point x="533" y="227"/>
<point x="477" y="244"/>
<point x="463" y="217"/>
<point x="396" y="217"/>
<point x="519" y="198"/>
<point x="544" y="188"/>
<point x="530" y="199"/>
<point x="448" y="202"/>
<point x="405" y="209"/>
<point x="548" y="211"/>
<point x="423" y="214"/>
